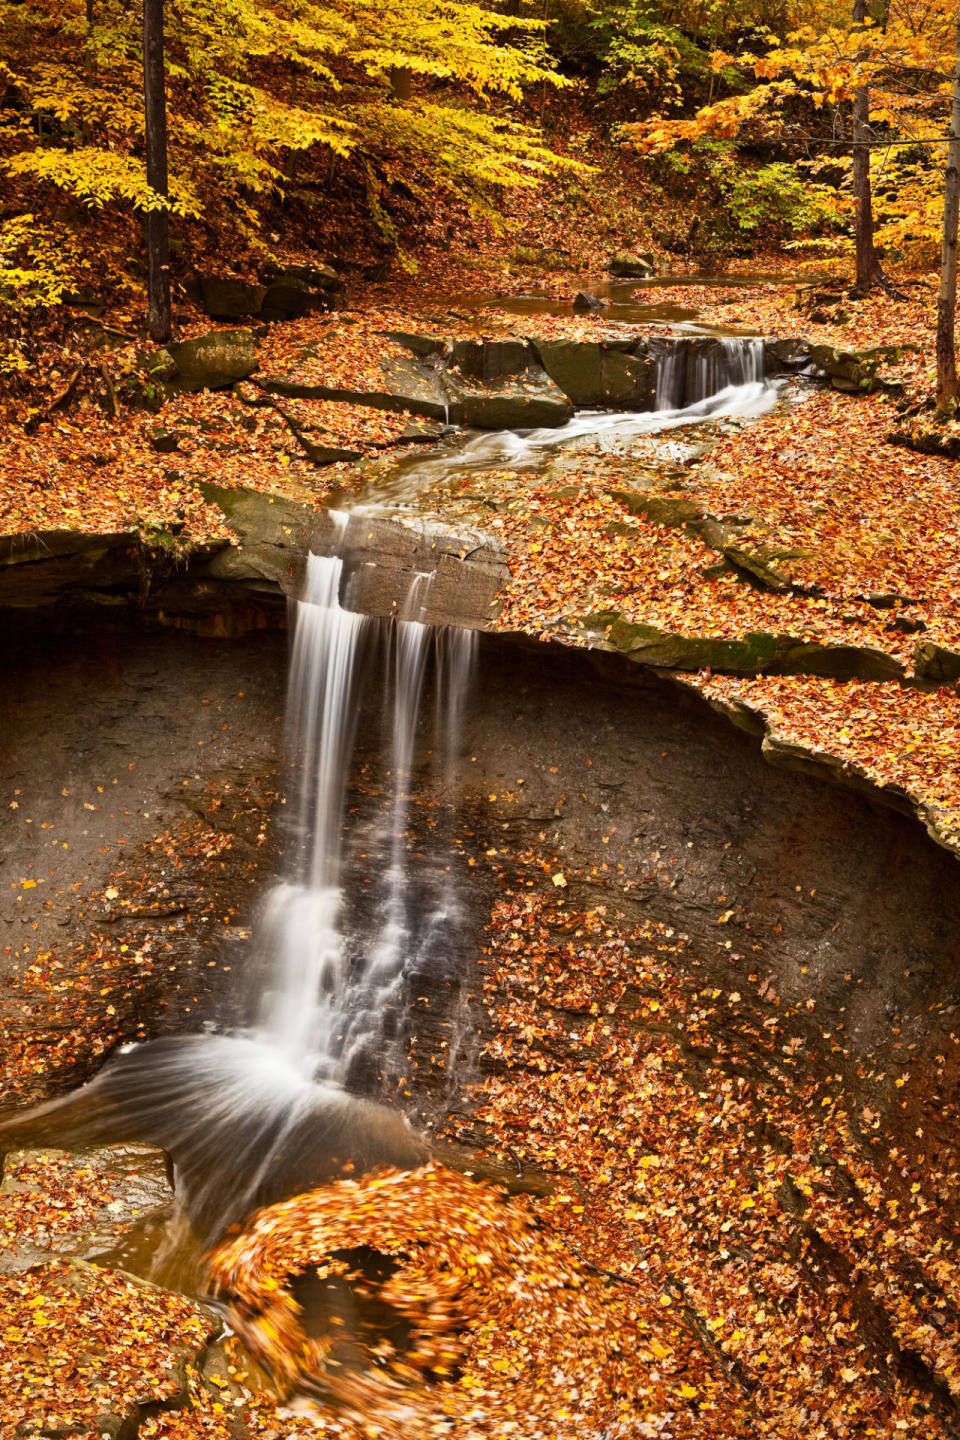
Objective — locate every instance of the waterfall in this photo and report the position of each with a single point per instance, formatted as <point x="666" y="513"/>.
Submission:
<point x="329" y="991"/>
<point x="692" y="371"/>
<point x="254" y="1116"/>
<point x="302" y="914"/>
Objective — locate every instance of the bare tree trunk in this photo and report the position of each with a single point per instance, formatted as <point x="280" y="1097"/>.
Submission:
<point x="156" y="222"/>
<point x="947" y="388"/>
<point x="869" y="272"/>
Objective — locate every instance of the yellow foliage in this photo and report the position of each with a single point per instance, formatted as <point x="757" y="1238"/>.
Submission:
<point x="253" y="82"/>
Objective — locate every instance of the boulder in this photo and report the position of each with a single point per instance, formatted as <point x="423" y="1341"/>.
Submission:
<point x="521" y="402"/>
<point x="275" y="534"/>
<point x="292" y="299"/>
<point x="627" y="382"/>
<point x="854" y="371"/>
<point x="936" y="664"/>
<point x="212" y="361"/>
<point x="586" y="304"/>
<point x="315" y="277"/>
<point x="596" y="372"/>
<point x="225" y="298"/>
<point x="165" y="441"/>
<point x="632" y="265"/>
<point x="787" y="354"/>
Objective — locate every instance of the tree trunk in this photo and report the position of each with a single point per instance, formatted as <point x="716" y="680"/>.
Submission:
<point x="869" y="272"/>
<point x="947" y="388"/>
<point x="156" y="222"/>
<point x="401" y="82"/>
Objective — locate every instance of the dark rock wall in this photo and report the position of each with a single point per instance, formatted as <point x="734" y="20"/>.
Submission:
<point x="650" y="802"/>
<point x="832" y="897"/>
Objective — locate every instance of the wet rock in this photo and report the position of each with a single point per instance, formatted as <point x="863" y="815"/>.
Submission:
<point x="383" y="556"/>
<point x="586" y="304"/>
<point x="626" y="381"/>
<point x="632" y="264"/>
<point x="518" y="402"/>
<point x="133" y="1179"/>
<point x="789" y="354"/>
<point x="212" y="361"/>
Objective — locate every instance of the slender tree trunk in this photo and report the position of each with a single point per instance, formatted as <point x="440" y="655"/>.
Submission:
<point x="948" y="390"/>
<point x="869" y="272"/>
<point x="156" y="222"/>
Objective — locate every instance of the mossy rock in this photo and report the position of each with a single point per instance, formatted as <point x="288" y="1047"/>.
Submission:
<point x="212" y="361"/>
<point x="632" y="265"/>
<point x="758" y="652"/>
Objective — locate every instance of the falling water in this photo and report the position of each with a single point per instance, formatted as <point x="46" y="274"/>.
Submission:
<point x="329" y="994"/>
<point x="689" y="373"/>
<point x="302" y="914"/>
<point x="253" y="1117"/>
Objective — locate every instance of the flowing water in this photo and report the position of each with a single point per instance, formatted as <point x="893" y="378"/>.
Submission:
<point x="694" y="386"/>
<point x="254" y="1116"/>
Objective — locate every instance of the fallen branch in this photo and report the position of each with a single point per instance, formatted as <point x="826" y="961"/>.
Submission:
<point x="111" y="390"/>
<point x="62" y="398"/>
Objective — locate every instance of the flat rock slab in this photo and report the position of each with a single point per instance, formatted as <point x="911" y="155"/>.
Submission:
<point x="524" y="400"/>
<point x="76" y="1203"/>
<point x="757" y="653"/>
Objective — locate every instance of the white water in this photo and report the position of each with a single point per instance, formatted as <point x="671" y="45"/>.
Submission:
<point x="694" y="385"/>
<point x="328" y="994"/>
